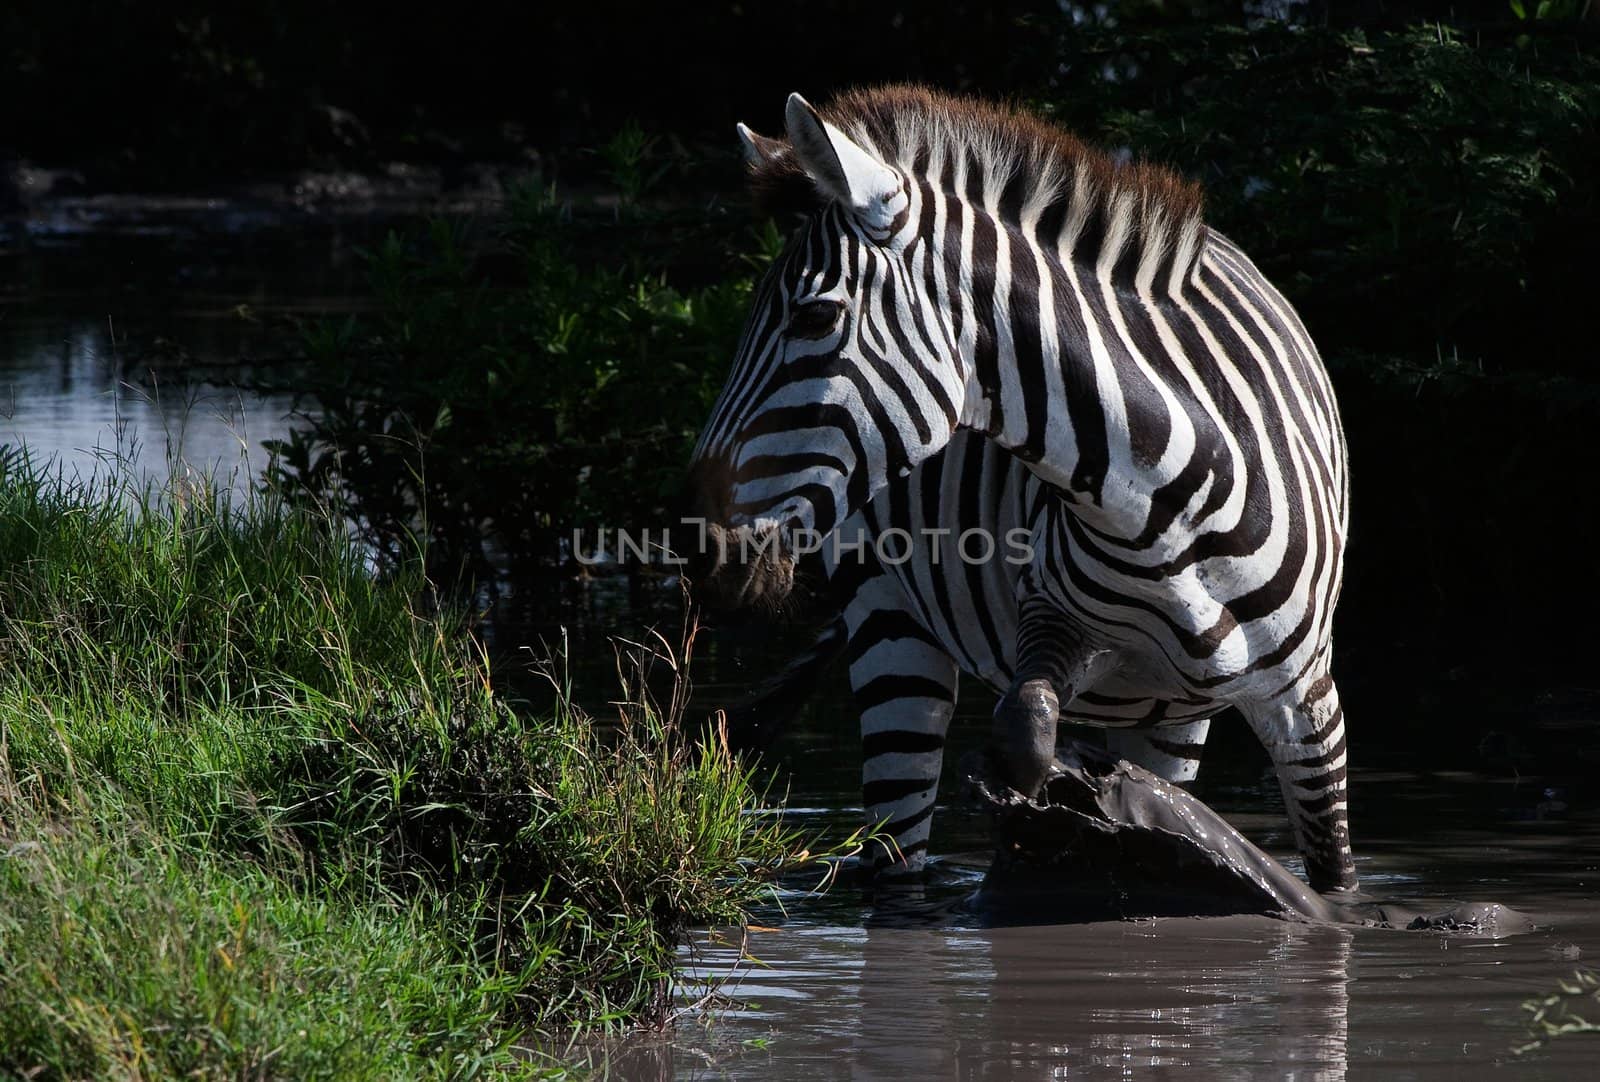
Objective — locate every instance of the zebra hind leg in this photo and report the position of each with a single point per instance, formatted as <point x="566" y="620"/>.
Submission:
<point x="1303" y="732"/>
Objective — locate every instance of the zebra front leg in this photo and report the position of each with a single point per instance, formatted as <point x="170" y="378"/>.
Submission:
<point x="905" y="688"/>
<point x="1054" y="663"/>
<point x="1303" y="732"/>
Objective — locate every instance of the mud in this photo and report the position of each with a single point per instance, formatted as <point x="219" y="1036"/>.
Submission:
<point x="1109" y="840"/>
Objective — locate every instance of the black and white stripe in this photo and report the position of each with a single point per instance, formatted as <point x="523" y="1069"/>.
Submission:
<point x="912" y="623"/>
<point x="969" y="268"/>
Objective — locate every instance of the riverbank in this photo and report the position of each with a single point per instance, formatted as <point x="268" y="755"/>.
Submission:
<point x="262" y="814"/>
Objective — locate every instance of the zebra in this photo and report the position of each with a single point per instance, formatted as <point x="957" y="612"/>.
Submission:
<point x="964" y="265"/>
<point x="912" y="622"/>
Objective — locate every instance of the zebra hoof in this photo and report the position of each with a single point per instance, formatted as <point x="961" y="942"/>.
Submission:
<point x="1350" y="895"/>
<point x="1025" y="735"/>
<point x="1335" y="882"/>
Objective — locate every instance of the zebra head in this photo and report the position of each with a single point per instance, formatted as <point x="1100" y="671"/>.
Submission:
<point x="847" y="373"/>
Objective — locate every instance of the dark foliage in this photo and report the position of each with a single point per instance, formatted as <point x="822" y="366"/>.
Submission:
<point x="515" y="388"/>
<point x="177" y="93"/>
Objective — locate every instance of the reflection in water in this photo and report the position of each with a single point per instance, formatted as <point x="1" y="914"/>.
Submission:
<point x="118" y="312"/>
<point x="1232" y="997"/>
<point x="1049" y="1002"/>
<point x="73" y="404"/>
<point x="924" y="993"/>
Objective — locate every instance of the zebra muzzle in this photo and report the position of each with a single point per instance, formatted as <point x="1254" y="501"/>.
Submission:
<point x="740" y="567"/>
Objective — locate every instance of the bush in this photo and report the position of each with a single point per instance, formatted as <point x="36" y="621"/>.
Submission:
<point x="1409" y="190"/>
<point x="508" y="391"/>
<point x="132" y="956"/>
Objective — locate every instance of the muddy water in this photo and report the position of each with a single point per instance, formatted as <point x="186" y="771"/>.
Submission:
<point x="921" y="984"/>
<point x="923" y="988"/>
<point x="1495" y="804"/>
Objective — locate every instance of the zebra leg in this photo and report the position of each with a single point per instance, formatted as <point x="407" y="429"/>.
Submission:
<point x="1170" y="752"/>
<point x="905" y="688"/>
<point x="1303" y="731"/>
<point x="1053" y="664"/>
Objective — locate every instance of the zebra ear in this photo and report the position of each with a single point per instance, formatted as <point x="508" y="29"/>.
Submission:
<point x="758" y="149"/>
<point x="842" y="170"/>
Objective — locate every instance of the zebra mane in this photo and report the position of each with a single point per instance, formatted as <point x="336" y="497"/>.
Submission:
<point x="1142" y="219"/>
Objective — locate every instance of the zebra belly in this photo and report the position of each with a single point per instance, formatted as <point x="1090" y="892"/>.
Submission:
<point x="971" y="608"/>
<point x="1176" y="636"/>
<point x="1120" y="702"/>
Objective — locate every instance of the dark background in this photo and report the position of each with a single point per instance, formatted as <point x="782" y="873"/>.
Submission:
<point x="179" y="93"/>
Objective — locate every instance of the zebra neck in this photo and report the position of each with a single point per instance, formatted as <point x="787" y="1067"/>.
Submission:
<point x="1054" y="375"/>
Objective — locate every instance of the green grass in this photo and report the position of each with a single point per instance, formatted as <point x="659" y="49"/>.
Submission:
<point x="129" y="955"/>
<point x="263" y="815"/>
<point x="1569" y="1010"/>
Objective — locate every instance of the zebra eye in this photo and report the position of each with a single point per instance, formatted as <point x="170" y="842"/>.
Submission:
<point x="815" y="319"/>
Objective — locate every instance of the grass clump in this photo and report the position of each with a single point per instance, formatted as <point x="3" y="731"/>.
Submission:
<point x="263" y="814"/>
<point x="1572" y="1008"/>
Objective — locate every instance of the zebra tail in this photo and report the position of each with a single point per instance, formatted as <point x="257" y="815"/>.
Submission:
<point x="767" y="711"/>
